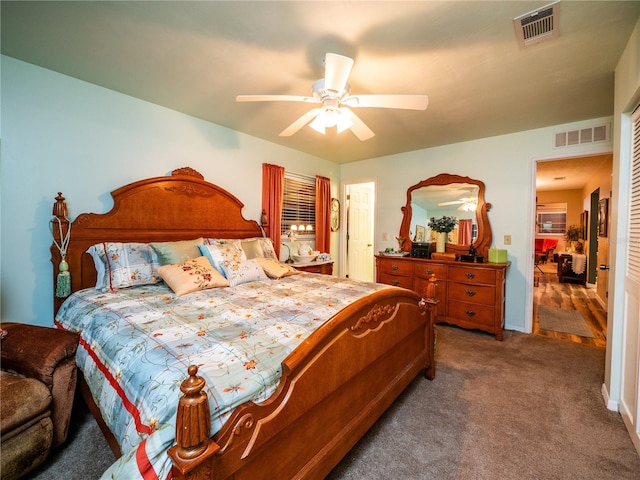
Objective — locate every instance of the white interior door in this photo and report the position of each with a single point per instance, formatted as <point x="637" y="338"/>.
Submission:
<point x="360" y="214"/>
<point x="630" y="378"/>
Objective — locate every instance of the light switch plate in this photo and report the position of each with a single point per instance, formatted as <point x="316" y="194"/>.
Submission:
<point x="507" y="239"/>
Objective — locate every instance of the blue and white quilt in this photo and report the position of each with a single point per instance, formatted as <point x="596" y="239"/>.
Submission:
<point x="137" y="343"/>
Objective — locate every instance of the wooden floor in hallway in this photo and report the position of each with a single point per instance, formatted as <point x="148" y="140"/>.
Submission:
<point x="569" y="296"/>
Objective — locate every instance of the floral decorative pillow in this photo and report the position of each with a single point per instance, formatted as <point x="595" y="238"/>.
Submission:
<point x="174" y="252"/>
<point x="243" y="272"/>
<point x="266" y="245"/>
<point x="275" y="269"/>
<point x="191" y="275"/>
<point x="123" y="265"/>
<point x="225" y="252"/>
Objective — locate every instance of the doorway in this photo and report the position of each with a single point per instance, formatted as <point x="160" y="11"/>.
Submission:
<point x="360" y="214"/>
<point x="575" y="183"/>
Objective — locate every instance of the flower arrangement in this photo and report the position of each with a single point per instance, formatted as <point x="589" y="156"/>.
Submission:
<point x="443" y="224"/>
<point x="573" y="233"/>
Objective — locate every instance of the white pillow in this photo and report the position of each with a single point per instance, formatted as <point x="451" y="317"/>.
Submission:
<point x="243" y="272"/>
<point x="226" y="252"/>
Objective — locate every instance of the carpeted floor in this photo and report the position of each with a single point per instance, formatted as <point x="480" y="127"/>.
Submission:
<point x="526" y="408"/>
<point x="563" y="320"/>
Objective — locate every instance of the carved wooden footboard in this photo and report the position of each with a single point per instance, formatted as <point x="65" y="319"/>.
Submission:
<point x="333" y="388"/>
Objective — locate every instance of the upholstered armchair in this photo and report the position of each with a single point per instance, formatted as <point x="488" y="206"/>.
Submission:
<point x="37" y="387"/>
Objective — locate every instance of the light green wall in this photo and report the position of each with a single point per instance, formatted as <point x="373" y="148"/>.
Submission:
<point x="505" y="164"/>
<point x="626" y="98"/>
<point x="61" y="134"/>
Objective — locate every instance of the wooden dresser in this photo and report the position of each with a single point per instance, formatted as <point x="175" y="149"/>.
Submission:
<point x="471" y="295"/>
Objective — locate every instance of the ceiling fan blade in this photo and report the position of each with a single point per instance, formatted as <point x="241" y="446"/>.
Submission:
<point x="276" y="98"/>
<point x="455" y="202"/>
<point x="337" y="69"/>
<point x="407" y="102"/>
<point x="358" y="128"/>
<point x="300" y="122"/>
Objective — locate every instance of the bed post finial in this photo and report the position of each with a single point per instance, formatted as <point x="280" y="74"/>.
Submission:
<point x="60" y="207"/>
<point x="193" y="422"/>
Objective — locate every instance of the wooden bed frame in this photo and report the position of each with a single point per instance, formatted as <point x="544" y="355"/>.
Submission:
<point x="334" y="386"/>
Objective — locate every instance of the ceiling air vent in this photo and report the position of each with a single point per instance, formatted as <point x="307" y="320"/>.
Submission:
<point x="536" y="26"/>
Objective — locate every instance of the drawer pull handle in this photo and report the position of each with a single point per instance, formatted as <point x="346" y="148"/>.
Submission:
<point x="395" y="283"/>
<point x="394" y="267"/>
<point x="428" y="271"/>
<point x="470" y="275"/>
<point x="470" y="293"/>
<point x="469" y="313"/>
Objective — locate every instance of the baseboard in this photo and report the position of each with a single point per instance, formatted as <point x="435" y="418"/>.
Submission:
<point x="611" y="405"/>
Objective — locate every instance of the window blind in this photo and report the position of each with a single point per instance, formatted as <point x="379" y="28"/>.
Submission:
<point x="299" y="202"/>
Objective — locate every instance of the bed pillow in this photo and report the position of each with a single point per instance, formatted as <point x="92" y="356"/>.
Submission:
<point x="275" y="269"/>
<point x="225" y="252"/>
<point x="191" y="275"/>
<point x="123" y="265"/>
<point x="267" y="246"/>
<point x="175" y="252"/>
<point x="243" y="272"/>
<point x="252" y="248"/>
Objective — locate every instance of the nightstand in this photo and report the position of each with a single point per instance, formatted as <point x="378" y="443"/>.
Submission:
<point x="325" y="267"/>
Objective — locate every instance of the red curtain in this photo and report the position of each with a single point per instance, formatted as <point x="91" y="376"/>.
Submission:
<point x="272" y="194"/>
<point x="465" y="231"/>
<point x="323" y="213"/>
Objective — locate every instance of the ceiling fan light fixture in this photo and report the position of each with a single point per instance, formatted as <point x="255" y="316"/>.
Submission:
<point x="331" y="118"/>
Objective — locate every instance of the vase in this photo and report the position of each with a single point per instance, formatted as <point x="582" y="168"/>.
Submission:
<point x="305" y="250"/>
<point x="441" y="240"/>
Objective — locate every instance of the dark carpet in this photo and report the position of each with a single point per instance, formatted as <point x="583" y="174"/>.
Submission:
<point x="526" y="408"/>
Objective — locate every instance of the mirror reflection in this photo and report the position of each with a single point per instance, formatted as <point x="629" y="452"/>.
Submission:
<point x="456" y="200"/>
<point x="441" y="197"/>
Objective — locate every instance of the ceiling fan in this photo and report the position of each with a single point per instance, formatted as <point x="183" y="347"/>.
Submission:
<point x="334" y="95"/>
<point x="466" y="203"/>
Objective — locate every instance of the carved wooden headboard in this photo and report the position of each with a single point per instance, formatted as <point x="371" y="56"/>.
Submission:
<point x="181" y="206"/>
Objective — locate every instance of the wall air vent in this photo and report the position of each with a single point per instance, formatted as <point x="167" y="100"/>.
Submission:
<point x="539" y="25"/>
<point x="571" y="138"/>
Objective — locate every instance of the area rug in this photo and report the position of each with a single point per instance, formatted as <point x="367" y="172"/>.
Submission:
<point x="565" y="321"/>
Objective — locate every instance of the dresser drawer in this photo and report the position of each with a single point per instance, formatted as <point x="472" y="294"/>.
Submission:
<point x="396" y="280"/>
<point x="483" y="294"/>
<point x="472" y="313"/>
<point x="394" y="267"/>
<point x="472" y="275"/>
<point x="423" y="270"/>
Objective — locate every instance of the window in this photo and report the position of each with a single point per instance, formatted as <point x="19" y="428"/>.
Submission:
<point x="299" y="204"/>
<point x="551" y="219"/>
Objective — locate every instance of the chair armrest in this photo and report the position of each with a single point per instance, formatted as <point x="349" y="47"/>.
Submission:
<point x="35" y="351"/>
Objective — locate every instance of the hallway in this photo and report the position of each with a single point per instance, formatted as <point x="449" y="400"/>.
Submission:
<point x="569" y="296"/>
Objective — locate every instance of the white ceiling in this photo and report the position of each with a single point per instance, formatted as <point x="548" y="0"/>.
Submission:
<point x="195" y="57"/>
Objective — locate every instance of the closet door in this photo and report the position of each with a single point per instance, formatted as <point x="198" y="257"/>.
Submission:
<point x="630" y="385"/>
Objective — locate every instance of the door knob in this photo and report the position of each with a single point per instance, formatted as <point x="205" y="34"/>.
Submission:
<point x="604" y="267"/>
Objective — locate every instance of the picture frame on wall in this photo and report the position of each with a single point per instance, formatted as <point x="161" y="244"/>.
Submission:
<point x="584" y="224"/>
<point x="603" y="216"/>
<point x="335" y="215"/>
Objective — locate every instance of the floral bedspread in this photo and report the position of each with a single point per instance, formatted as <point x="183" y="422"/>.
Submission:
<point x="136" y="345"/>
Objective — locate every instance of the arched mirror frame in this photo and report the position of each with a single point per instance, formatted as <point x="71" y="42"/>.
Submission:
<point x="485" y="236"/>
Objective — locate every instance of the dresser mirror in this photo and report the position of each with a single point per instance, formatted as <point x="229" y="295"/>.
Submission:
<point x="453" y="196"/>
